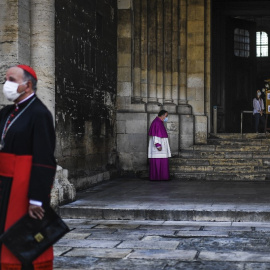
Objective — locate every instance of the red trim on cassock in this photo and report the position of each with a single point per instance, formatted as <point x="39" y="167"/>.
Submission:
<point x="19" y="168"/>
<point x="44" y="166"/>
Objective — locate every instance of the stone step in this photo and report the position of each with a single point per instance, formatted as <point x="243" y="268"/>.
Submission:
<point x="213" y="176"/>
<point x="229" y="148"/>
<point x="223" y="154"/>
<point x="174" y="162"/>
<point x="239" y="136"/>
<point x="257" y="142"/>
<point x="220" y="169"/>
<point x="137" y="199"/>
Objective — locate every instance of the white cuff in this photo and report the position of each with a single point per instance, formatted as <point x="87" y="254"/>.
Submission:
<point x="38" y="203"/>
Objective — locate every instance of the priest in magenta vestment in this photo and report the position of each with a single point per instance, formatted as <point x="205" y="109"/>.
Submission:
<point x="159" y="148"/>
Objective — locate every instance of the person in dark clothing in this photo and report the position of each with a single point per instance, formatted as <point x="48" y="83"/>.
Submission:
<point x="258" y="108"/>
<point x="27" y="162"/>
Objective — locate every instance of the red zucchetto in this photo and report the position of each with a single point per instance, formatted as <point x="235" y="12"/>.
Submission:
<point x="29" y="70"/>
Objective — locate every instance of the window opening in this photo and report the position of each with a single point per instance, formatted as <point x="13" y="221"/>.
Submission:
<point x="261" y="44"/>
<point x="241" y="42"/>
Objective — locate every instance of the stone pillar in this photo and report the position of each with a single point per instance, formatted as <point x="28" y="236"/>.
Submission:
<point x="196" y="66"/>
<point x="175" y="48"/>
<point x="14" y="36"/>
<point x="137" y="52"/>
<point x="183" y="107"/>
<point x="144" y="55"/>
<point x="152" y="57"/>
<point x="43" y="49"/>
<point x="208" y="108"/>
<point x="168" y="101"/>
<point x="160" y="50"/>
<point x="167" y="51"/>
<point x="124" y="89"/>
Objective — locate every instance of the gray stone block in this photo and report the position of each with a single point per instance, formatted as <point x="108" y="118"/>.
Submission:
<point x="136" y="126"/>
<point x="183" y="255"/>
<point x="132" y="143"/>
<point x="99" y="253"/>
<point x="165" y="245"/>
<point x="121" y="127"/>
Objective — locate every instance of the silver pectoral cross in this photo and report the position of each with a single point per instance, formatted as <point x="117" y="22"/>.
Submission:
<point x="2" y="144"/>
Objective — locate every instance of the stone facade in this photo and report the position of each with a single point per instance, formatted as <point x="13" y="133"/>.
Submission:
<point x="106" y="68"/>
<point x="86" y="65"/>
<point x="163" y="63"/>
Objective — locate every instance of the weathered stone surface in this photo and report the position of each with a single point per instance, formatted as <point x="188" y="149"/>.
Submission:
<point x="243" y="247"/>
<point x="86" y="68"/>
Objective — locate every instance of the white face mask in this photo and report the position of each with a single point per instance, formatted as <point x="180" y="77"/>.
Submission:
<point x="166" y="119"/>
<point x="10" y="90"/>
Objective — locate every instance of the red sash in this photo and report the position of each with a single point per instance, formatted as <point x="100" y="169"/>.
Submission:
<point x="19" y="168"/>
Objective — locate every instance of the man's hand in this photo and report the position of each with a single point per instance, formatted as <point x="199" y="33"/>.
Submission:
<point x="36" y="211"/>
<point x="159" y="148"/>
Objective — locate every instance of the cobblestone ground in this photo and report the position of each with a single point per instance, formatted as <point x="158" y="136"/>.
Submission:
<point x="159" y="245"/>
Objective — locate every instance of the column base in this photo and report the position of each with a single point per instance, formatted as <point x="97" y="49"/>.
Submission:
<point x="184" y="109"/>
<point x="153" y="107"/>
<point x="169" y="107"/>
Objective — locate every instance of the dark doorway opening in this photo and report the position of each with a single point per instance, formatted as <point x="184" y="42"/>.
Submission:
<point x="240" y="59"/>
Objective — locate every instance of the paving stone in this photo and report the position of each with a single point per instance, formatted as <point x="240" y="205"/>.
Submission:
<point x="76" y="235"/>
<point x="99" y="253"/>
<point x="226" y="228"/>
<point x="234" y="256"/>
<point x="73" y="263"/>
<point x="133" y="222"/>
<point x="205" y="266"/>
<point x="149" y="245"/>
<point x="131" y="264"/>
<point x="58" y="251"/>
<point x="116" y="236"/>
<point x="150" y="232"/>
<point x="202" y="234"/>
<point x="193" y="224"/>
<point x="87" y="243"/>
<point x="183" y="255"/>
<point x="117" y="226"/>
<point x="171" y="227"/>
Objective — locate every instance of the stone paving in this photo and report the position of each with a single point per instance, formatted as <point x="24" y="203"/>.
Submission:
<point x="163" y="245"/>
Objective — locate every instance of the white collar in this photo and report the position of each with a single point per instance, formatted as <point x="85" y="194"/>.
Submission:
<point x="25" y="99"/>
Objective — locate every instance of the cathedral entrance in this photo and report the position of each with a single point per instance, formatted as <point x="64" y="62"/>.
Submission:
<point x="240" y="59"/>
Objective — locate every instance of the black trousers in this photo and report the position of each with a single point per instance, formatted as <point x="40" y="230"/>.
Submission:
<point x="258" y="117"/>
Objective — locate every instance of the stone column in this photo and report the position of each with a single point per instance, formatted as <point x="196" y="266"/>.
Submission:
<point x="160" y="50"/>
<point x="196" y="66"/>
<point x="208" y="63"/>
<point x="43" y="49"/>
<point x="152" y="58"/>
<point x="175" y="49"/>
<point x="183" y="107"/>
<point x="168" y="101"/>
<point x="137" y="52"/>
<point x="167" y="51"/>
<point x="14" y="36"/>
<point x="144" y="59"/>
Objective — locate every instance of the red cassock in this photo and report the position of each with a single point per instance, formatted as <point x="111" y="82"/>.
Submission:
<point x="19" y="168"/>
<point x="27" y="169"/>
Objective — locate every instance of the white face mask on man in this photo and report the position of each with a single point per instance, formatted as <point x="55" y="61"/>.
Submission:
<point x="10" y="90"/>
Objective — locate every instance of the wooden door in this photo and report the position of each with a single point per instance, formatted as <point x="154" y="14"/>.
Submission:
<point x="240" y="71"/>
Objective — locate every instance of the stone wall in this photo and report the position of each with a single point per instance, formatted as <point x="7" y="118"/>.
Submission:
<point x="163" y="63"/>
<point x="86" y="70"/>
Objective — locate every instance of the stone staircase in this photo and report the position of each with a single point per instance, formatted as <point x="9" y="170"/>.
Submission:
<point x="225" y="157"/>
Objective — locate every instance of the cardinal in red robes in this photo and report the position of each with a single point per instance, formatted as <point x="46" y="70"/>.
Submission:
<point x="27" y="162"/>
